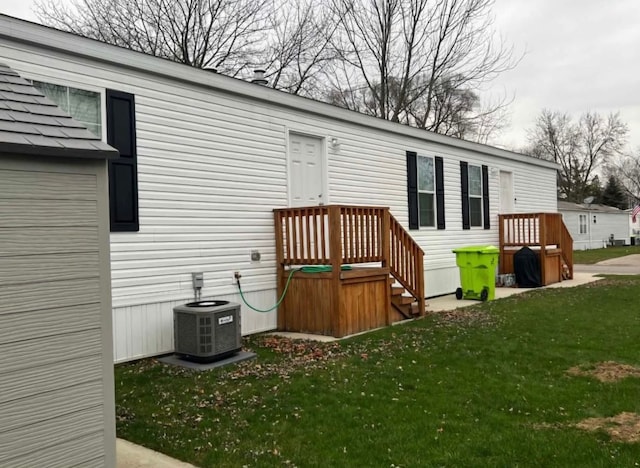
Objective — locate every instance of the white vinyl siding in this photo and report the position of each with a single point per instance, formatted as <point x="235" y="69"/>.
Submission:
<point x="426" y="191"/>
<point x="212" y="166"/>
<point x="589" y="235"/>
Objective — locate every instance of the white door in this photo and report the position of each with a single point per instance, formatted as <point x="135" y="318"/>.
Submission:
<point x="506" y="192"/>
<point x="306" y="171"/>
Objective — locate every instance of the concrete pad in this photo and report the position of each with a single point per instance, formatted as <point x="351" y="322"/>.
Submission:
<point x="129" y="455"/>
<point x="176" y="360"/>
<point x="305" y="336"/>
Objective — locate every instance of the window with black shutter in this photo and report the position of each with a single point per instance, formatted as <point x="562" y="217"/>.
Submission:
<point x="425" y="188"/>
<point x="123" y="173"/>
<point x="474" y="187"/>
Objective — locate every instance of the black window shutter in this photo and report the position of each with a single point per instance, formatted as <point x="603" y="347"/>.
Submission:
<point x="439" y="193"/>
<point x="123" y="172"/>
<point x="464" y="189"/>
<point x="412" y="189"/>
<point x="485" y="197"/>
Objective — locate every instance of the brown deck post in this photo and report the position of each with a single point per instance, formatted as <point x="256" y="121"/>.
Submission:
<point x="501" y="244"/>
<point x="335" y="254"/>
<point x="420" y="280"/>
<point x="282" y="311"/>
<point x="542" y="239"/>
<point x="385" y="244"/>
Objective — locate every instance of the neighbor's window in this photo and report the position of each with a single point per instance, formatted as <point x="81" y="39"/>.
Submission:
<point x="84" y="106"/>
<point x="583" y="224"/>
<point x="426" y="191"/>
<point x="475" y="195"/>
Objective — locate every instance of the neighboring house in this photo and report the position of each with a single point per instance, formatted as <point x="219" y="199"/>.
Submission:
<point x="594" y="226"/>
<point x="56" y="350"/>
<point x="206" y="158"/>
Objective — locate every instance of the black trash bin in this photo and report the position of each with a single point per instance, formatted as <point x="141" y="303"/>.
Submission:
<point x="526" y="265"/>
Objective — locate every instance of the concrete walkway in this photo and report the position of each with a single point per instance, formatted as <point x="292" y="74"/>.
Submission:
<point x="628" y="265"/>
<point x="135" y="456"/>
<point x="449" y="302"/>
<point x="130" y="455"/>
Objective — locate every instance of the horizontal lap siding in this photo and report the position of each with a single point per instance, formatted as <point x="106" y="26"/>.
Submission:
<point x="52" y="398"/>
<point x="47" y="434"/>
<point x="212" y="166"/>
<point x="597" y="235"/>
<point x="373" y="171"/>
<point x="210" y="171"/>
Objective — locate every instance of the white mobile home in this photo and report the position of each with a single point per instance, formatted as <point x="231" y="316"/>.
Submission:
<point x="213" y="156"/>
<point x="595" y="226"/>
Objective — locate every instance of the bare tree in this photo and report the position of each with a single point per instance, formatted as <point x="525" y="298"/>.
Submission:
<point x="579" y="148"/>
<point x="220" y="34"/>
<point x="626" y="168"/>
<point x="418" y="62"/>
<point x="299" y="46"/>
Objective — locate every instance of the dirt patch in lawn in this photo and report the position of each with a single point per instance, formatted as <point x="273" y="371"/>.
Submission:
<point x="624" y="427"/>
<point x="608" y="371"/>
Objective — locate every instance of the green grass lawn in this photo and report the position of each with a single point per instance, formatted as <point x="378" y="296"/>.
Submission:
<point x="597" y="255"/>
<point x="483" y="387"/>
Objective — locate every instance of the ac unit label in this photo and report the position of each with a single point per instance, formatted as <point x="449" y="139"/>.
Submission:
<point x="227" y="319"/>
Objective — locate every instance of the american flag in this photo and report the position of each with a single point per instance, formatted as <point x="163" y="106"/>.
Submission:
<point x="634" y="213"/>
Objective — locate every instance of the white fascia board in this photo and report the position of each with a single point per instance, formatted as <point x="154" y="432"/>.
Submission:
<point x="45" y="37"/>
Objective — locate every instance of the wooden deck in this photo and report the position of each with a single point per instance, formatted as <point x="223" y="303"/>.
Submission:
<point x="385" y="282"/>
<point x="543" y="232"/>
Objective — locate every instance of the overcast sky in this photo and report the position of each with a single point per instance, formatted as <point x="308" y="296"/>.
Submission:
<point x="579" y="55"/>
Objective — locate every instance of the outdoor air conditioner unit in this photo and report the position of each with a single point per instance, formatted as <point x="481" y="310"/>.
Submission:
<point x="206" y="331"/>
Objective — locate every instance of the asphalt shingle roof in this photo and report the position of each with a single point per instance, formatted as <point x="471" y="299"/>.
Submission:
<point x="32" y="124"/>
<point x="569" y="206"/>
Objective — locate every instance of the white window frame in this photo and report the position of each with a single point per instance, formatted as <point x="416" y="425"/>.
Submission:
<point x="582" y="224"/>
<point x="433" y="193"/>
<point x="81" y="87"/>
<point x="470" y="196"/>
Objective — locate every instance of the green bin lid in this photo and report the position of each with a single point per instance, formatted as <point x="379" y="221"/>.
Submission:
<point x="484" y="249"/>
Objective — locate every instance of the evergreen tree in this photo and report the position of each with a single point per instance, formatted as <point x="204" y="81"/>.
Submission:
<point x="613" y="194"/>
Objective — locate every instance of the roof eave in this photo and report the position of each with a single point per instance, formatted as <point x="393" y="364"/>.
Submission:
<point x="17" y="149"/>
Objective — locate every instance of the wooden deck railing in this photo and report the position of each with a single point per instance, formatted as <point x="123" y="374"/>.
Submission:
<point x="545" y="231"/>
<point x="345" y="235"/>
<point x="566" y="244"/>
<point x="406" y="261"/>
<point x="302" y="236"/>
<point x="520" y="229"/>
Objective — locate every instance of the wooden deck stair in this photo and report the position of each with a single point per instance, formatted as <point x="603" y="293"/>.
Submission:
<point x="403" y="302"/>
<point x="387" y="264"/>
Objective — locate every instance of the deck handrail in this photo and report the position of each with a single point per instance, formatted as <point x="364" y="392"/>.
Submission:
<point x="346" y="234"/>
<point x="518" y="229"/>
<point x="406" y="261"/>
<point x="566" y="245"/>
<point x="305" y="234"/>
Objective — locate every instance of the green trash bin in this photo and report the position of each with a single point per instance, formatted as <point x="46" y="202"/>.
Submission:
<point x="477" y="265"/>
